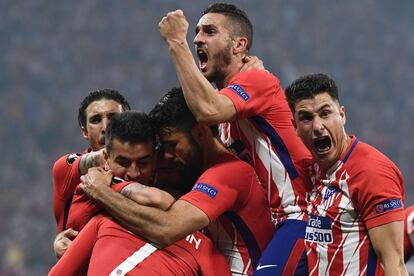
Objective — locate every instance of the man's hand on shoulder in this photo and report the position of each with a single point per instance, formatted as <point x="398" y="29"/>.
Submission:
<point x="252" y="62"/>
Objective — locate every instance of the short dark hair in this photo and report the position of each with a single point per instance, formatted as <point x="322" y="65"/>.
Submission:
<point x="308" y="86"/>
<point x="108" y="94"/>
<point x="172" y="111"/>
<point x="240" y="23"/>
<point x="130" y="126"/>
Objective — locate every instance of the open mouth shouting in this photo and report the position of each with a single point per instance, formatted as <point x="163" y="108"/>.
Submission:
<point x="322" y="145"/>
<point x="202" y="59"/>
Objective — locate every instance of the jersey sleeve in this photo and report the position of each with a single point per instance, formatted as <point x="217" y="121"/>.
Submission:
<point x="252" y="92"/>
<point x="65" y="179"/>
<point x="66" y="175"/>
<point x="380" y="193"/>
<point x="76" y="258"/>
<point x="214" y="193"/>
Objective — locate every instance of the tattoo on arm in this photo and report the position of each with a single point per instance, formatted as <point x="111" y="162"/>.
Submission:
<point x="132" y="188"/>
<point x="87" y="161"/>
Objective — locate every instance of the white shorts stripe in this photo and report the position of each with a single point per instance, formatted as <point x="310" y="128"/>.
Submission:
<point x="133" y="260"/>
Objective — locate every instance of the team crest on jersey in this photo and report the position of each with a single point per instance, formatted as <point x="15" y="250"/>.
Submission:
<point x="72" y="157"/>
<point x="388" y="205"/>
<point x="205" y="188"/>
<point x="116" y="180"/>
<point x="240" y="91"/>
<point x="330" y="191"/>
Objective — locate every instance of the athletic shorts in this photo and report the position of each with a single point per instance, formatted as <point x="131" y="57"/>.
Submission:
<point x="285" y="254"/>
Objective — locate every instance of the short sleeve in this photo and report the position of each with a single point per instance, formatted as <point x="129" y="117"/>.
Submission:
<point x="66" y="175"/>
<point x="252" y="92"/>
<point x="380" y="193"/>
<point x="212" y="197"/>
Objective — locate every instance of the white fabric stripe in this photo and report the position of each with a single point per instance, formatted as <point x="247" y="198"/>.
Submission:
<point x="353" y="266"/>
<point x="228" y="246"/>
<point x="133" y="260"/>
<point x="350" y="231"/>
<point x="271" y="162"/>
<point x="322" y="251"/>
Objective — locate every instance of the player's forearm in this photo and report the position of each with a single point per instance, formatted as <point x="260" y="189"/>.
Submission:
<point x="394" y="268"/>
<point x="148" y="196"/>
<point x="200" y="95"/>
<point x="148" y="222"/>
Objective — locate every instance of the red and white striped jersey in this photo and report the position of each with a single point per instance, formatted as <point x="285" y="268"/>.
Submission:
<point x="364" y="189"/>
<point x="229" y="193"/>
<point x="263" y="135"/>
<point x="409" y="233"/>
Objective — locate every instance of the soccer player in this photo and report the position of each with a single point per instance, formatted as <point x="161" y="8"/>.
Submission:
<point x="255" y="120"/>
<point x="260" y="131"/>
<point x="409" y="233"/>
<point x="94" y="114"/>
<point x="355" y="225"/>
<point x="227" y="198"/>
<point x="130" y="153"/>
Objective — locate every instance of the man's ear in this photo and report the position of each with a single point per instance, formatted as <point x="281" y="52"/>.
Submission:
<point x="85" y="133"/>
<point x="342" y="113"/>
<point x="240" y="45"/>
<point x="199" y="132"/>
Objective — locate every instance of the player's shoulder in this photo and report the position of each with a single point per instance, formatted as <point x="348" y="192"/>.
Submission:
<point x="368" y="166"/>
<point x="371" y="158"/>
<point x="230" y="163"/>
<point x="258" y="75"/>
<point x="66" y="161"/>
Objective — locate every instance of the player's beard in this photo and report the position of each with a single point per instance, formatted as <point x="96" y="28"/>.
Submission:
<point x="221" y="60"/>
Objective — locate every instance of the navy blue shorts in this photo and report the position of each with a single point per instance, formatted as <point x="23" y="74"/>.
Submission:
<point x="285" y="254"/>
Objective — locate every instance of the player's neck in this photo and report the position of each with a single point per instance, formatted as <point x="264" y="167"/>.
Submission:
<point x="228" y="74"/>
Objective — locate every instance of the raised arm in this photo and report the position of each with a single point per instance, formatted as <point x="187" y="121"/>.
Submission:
<point x="387" y="241"/>
<point x="206" y="105"/>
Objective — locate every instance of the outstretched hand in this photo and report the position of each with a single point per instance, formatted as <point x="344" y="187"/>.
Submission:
<point x="173" y="27"/>
<point x="252" y="62"/>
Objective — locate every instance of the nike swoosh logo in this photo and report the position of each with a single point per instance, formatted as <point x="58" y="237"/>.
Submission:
<point x="259" y="267"/>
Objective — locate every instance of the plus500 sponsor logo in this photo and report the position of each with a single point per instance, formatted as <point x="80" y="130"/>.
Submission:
<point x="318" y="230"/>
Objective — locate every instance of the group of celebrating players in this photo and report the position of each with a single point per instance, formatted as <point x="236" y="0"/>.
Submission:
<point x="227" y="175"/>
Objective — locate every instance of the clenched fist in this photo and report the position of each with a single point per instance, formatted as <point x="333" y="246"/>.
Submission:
<point x="174" y="27"/>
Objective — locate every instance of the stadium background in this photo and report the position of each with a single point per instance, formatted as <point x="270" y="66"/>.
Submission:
<point x="54" y="52"/>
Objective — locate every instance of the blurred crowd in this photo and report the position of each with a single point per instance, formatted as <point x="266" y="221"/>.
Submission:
<point x="56" y="52"/>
